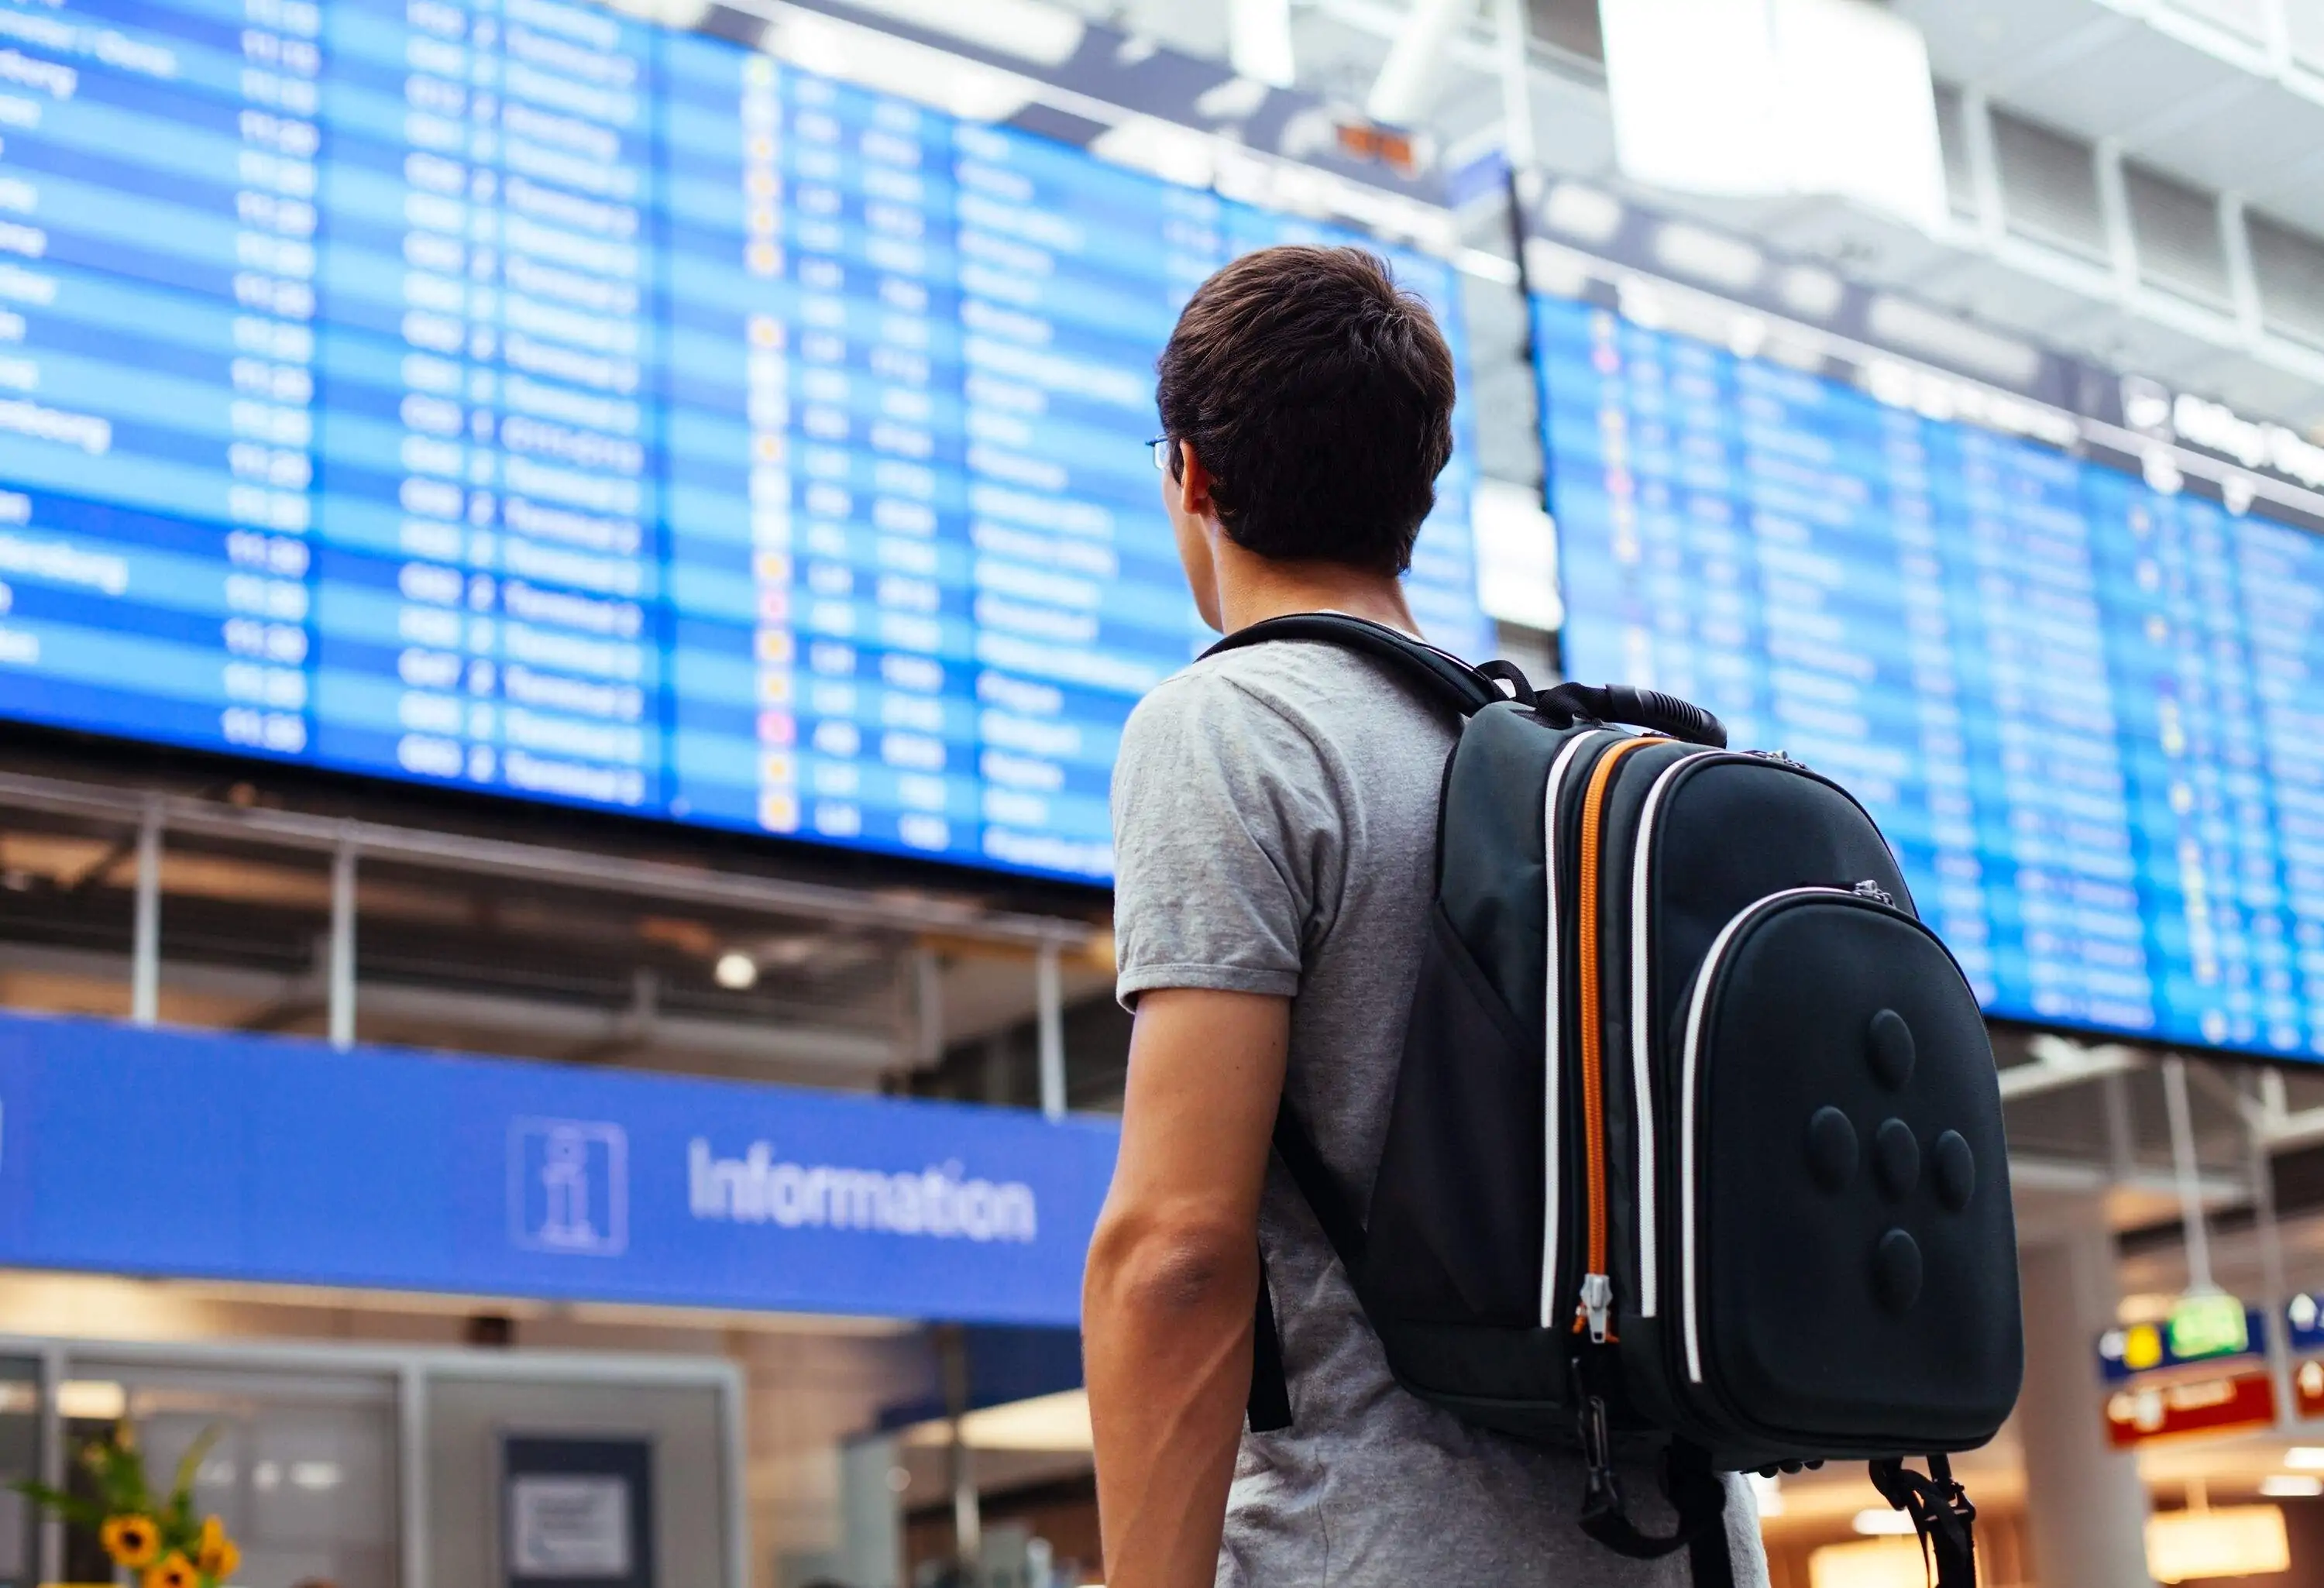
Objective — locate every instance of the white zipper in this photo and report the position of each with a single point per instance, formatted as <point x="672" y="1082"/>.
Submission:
<point x="1689" y="1305"/>
<point x="1553" y="1165"/>
<point x="1641" y="1054"/>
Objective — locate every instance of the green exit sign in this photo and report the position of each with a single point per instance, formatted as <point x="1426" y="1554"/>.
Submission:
<point x="2209" y="1326"/>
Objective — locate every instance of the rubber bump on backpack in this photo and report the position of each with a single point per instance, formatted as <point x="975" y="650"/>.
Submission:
<point x="1890" y="1047"/>
<point x="1896" y="1271"/>
<point x="1953" y="1166"/>
<point x="1897" y="1158"/>
<point x="1832" y="1148"/>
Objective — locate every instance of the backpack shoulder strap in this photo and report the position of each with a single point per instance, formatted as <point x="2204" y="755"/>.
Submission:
<point x="1446" y="678"/>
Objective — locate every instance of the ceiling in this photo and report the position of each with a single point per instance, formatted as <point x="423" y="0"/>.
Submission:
<point x="2227" y="96"/>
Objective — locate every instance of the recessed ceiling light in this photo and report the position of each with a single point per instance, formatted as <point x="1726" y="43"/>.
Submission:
<point x="1880" y="1522"/>
<point x="737" y="973"/>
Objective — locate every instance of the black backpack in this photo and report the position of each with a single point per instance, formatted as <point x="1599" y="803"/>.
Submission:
<point x="1696" y="1148"/>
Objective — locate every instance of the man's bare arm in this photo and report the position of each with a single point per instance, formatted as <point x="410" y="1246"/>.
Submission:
<point x="1173" y="1278"/>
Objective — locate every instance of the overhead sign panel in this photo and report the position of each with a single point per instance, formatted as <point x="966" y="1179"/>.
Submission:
<point x="532" y="400"/>
<point x="231" y="1157"/>
<point x="2073" y="664"/>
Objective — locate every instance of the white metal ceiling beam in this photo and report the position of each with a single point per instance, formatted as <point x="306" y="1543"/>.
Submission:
<point x="1400" y="93"/>
<point x="1259" y="40"/>
<point x="458" y="853"/>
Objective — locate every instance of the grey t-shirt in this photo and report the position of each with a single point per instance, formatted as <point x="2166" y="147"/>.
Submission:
<point x="1275" y="818"/>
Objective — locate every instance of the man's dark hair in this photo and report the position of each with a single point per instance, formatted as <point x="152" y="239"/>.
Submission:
<point x="1318" y="396"/>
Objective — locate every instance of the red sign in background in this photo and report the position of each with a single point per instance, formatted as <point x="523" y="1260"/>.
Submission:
<point x="2195" y="1406"/>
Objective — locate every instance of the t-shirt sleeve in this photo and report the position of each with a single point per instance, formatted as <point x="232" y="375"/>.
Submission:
<point x="1225" y="837"/>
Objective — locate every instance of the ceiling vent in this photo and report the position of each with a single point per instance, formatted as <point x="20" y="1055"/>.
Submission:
<point x="2288" y="267"/>
<point x="2176" y="230"/>
<point x="2049" y="186"/>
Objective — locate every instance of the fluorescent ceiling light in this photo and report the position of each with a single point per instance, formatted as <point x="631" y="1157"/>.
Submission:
<point x="2305" y="1458"/>
<point x="1161" y="148"/>
<point x="1059" y="1422"/>
<point x="882" y="61"/>
<point x="1760" y="98"/>
<point x="1918" y="328"/>
<point x="1876" y="1563"/>
<point x="1031" y="30"/>
<point x="2225" y="1541"/>
<point x="1856" y="109"/>
<point x="97" y="1400"/>
<point x="1691" y="85"/>
<point x="682" y="14"/>
<point x="1707" y="255"/>
<point x="1232" y="100"/>
<point x="1816" y="293"/>
<point x="1583" y="213"/>
<point x="1882" y="1521"/>
<point x="2291" y="1486"/>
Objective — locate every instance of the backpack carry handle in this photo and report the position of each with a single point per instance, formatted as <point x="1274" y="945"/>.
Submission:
<point x="1644" y="708"/>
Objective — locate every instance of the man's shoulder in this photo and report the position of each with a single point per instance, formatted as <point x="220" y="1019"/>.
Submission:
<point x="1318" y="688"/>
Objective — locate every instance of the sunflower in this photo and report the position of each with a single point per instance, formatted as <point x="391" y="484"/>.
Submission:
<point x="216" y="1554"/>
<point x="177" y="1572"/>
<point x="132" y="1540"/>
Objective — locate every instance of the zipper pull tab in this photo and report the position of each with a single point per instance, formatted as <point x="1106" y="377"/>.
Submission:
<point x="1869" y="889"/>
<point x="1597" y="1301"/>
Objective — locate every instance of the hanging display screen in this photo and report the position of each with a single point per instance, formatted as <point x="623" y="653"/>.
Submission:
<point x="520" y="398"/>
<point x="2084" y="699"/>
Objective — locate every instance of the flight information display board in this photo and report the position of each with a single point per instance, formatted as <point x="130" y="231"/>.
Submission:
<point x="2088" y="713"/>
<point x="518" y="397"/>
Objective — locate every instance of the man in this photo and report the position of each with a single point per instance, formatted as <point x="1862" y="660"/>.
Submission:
<point x="1275" y="814"/>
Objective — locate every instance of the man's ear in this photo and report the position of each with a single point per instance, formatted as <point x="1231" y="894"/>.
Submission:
<point x="1193" y="485"/>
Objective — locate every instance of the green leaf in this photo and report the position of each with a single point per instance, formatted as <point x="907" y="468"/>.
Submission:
<point x="72" y="1508"/>
<point x="181" y="1489"/>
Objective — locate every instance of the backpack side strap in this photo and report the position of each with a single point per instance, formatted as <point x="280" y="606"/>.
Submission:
<point x="1269" y="1406"/>
<point x="1269" y="1403"/>
<point x="1941" y="1515"/>
<point x="1696" y="1490"/>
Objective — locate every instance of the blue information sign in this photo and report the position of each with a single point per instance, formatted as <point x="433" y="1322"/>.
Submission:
<point x="511" y="395"/>
<point x="266" y="1158"/>
<point x="2087" y="710"/>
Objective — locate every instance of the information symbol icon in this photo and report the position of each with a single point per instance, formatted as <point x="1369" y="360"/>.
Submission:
<point x="568" y="1186"/>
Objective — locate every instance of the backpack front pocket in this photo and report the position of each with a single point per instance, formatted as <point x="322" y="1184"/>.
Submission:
<point x="1841" y="1187"/>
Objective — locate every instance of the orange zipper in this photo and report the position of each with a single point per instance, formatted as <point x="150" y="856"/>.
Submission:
<point x="1597" y="1287"/>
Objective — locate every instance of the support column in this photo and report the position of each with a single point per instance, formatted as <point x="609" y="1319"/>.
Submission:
<point x="1049" y="1023"/>
<point x="967" y="1503"/>
<point x="2085" y="1507"/>
<point x="145" y="925"/>
<point x="339" y="988"/>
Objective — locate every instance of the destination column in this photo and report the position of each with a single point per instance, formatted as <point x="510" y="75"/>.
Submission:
<point x="156" y="299"/>
<point x="489" y="584"/>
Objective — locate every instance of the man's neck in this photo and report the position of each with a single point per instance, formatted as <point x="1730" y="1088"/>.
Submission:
<point x="1253" y="588"/>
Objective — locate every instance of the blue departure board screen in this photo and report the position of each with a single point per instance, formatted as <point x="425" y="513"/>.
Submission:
<point x="515" y="397"/>
<point x="2087" y="712"/>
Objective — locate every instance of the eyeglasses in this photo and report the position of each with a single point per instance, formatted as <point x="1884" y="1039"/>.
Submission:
<point x="1163" y="448"/>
